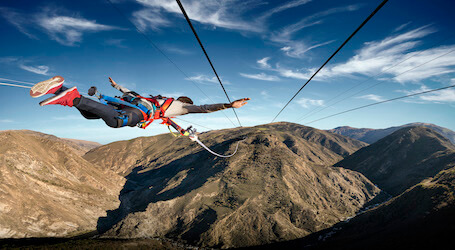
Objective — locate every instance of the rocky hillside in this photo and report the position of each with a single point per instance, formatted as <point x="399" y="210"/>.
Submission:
<point x="47" y="189"/>
<point x="84" y="146"/>
<point x="423" y="217"/>
<point x="79" y="146"/>
<point x="279" y="186"/>
<point x="372" y="135"/>
<point x="403" y="159"/>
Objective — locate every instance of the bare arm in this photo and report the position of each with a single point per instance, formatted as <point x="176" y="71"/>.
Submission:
<point x="179" y="108"/>
<point x="119" y="87"/>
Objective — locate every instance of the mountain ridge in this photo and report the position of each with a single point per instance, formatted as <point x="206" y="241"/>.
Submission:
<point x="402" y="159"/>
<point x="370" y="136"/>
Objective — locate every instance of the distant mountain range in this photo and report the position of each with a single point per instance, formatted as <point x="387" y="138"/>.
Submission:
<point x="296" y="185"/>
<point x="372" y="135"/>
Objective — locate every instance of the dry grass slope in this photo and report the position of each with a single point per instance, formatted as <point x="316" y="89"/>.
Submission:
<point x="279" y="186"/>
<point x="47" y="189"/>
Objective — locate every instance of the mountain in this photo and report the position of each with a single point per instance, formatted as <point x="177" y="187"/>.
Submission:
<point x="421" y="163"/>
<point x="372" y="135"/>
<point x="423" y="217"/>
<point x="79" y="146"/>
<point x="279" y="186"/>
<point x="47" y="189"/>
<point x="402" y="159"/>
<point x="84" y="146"/>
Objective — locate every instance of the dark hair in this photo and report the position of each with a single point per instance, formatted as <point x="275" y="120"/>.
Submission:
<point x="185" y="99"/>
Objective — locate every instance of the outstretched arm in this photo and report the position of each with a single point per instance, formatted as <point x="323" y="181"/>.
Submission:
<point x="178" y="108"/>
<point x="119" y="87"/>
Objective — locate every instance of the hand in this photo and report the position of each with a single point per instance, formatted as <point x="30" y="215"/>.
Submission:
<point x="239" y="103"/>
<point x="113" y="83"/>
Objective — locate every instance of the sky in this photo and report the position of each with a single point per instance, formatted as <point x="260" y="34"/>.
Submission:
<point x="264" y="50"/>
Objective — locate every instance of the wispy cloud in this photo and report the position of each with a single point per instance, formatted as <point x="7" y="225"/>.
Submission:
<point x="176" y="50"/>
<point x="223" y="14"/>
<point x="205" y="79"/>
<point x="150" y="18"/>
<point x="371" y="97"/>
<point x="379" y="56"/>
<point x="442" y="96"/>
<point x="307" y="103"/>
<point x="18" y="20"/>
<point x="395" y="56"/>
<point x="282" y="71"/>
<point x="6" y="121"/>
<point x="290" y="73"/>
<point x="297" y="48"/>
<point x="119" y="43"/>
<point x="281" y="8"/>
<point x="68" y="30"/>
<point x="261" y="76"/>
<point x="25" y="64"/>
<point x="263" y="63"/>
<point x="446" y="95"/>
<point x="401" y="27"/>
<point x="265" y="94"/>
<point x="41" y="69"/>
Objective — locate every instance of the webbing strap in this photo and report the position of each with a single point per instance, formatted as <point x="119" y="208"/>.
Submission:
<point x="159" y="112"/>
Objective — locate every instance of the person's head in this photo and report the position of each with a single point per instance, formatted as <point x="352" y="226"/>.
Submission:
<point x="185" y="99"/>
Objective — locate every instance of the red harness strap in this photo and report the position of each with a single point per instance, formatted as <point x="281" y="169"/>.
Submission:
<point x="159" y="112"/>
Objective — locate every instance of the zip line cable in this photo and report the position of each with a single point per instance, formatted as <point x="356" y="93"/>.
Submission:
<point x="320" y="109"/>
<point x="376" y="103"/>
<point x="15" y="85"/>
<point x="374" y="85"/>
<point x="162" y="53"/>
<point x="206" y="55"/>
<point x="342" y="45"/>
<point x="5" y="79"/>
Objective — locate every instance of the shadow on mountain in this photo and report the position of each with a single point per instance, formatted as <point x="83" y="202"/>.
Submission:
<point x="145" y="185"/>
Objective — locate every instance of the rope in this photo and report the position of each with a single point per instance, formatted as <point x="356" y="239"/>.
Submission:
<point x="376" y="103"/>
<point x="5" y="79"/>
<point x="206" y="55"/>
<point x="162" y="53"/>
<point x="208" y="149"/>
<point x="342" y="45"/>
<point x="14" y="85"/>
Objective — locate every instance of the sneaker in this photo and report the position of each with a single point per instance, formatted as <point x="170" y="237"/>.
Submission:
<point x="47" y="87"/>
<point x="65" y="98"/>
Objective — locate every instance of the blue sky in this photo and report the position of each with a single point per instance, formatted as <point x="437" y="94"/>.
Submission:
<point x="264" y="50"/>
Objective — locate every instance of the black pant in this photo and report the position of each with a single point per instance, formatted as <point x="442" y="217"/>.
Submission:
<point x="113" y="117"/>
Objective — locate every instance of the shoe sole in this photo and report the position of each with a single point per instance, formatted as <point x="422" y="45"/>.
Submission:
<point x="53" y="98"/>
<point x="44" y="87"/>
